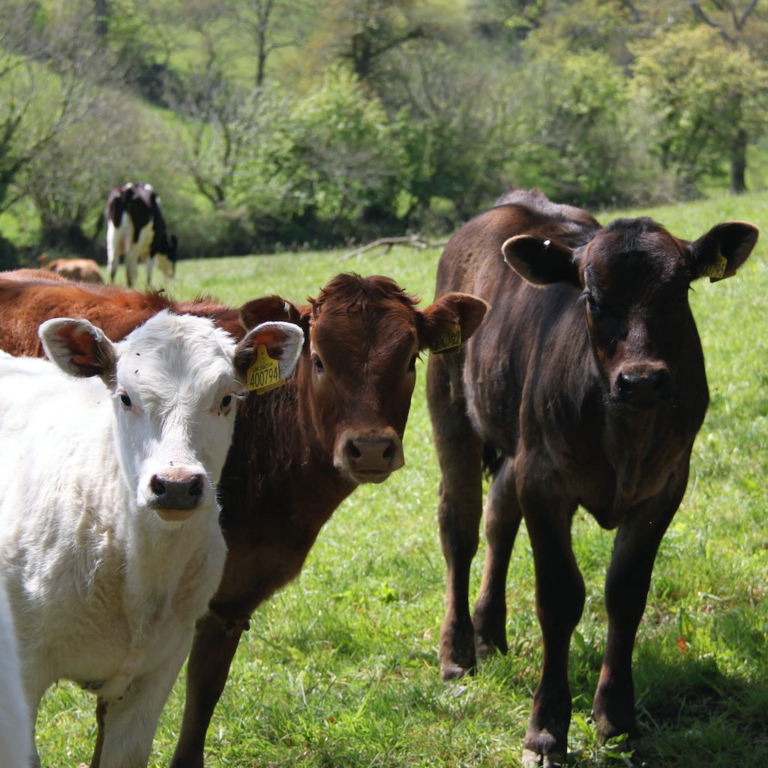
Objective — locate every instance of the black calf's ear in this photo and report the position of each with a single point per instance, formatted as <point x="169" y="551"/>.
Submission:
<point x="541" y="262"/>
<point x="722" y="250"/>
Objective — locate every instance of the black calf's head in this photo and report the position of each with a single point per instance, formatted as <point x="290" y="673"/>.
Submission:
<point x="634" y="277"/>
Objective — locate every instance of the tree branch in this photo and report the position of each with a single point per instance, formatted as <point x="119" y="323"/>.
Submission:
<point x="414" y="240"/>
<point x="701" y="16"/>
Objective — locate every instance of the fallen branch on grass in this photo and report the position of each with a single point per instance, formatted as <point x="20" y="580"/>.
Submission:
<point x="413" y="240"/>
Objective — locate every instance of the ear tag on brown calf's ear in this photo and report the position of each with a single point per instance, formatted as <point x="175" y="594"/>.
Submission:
<point x="264" y="375"/>
<point x="447" y="342"/>
<point x="713" y="270"/>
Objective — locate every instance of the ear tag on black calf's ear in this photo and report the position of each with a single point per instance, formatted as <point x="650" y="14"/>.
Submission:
<point x="714" y="269"/>
<point x="448" y="342"/>
<point x="264" y="374"/>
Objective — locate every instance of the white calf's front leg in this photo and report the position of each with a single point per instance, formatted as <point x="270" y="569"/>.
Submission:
<point x="129" y="723"/>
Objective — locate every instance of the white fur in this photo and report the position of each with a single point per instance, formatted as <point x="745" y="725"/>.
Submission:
<point x="120" y="242"/>
<point x="15" y="722"/>
<point x="103" y="591"/>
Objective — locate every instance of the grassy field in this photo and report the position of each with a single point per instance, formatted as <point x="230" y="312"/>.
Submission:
<point x="340" y="668"/>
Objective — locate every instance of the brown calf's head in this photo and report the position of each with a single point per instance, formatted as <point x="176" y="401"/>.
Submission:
<point x="358" y="369"/>
<point x="635" y="278"/>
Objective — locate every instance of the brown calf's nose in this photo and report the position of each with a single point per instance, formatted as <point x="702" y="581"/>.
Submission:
<point x="176" y="491"/>
<point x="372" y="454"/>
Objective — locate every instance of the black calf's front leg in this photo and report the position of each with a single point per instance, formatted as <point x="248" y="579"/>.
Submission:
<point x="559" y="603"/>
<point x="626" y="592"/>
<point x="502" y="520"/>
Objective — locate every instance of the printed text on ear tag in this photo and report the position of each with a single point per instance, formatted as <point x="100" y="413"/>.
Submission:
<point x="264" y="374"/>
<point x="715" y="269"/>
<point x="448" y="342"/>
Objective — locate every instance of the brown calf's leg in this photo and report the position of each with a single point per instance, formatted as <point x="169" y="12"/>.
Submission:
<point x="502" y="520"/>
<point x="101" y="711"/>
<point x="213" y="649"/>
<point x="559" y="602"/>
<point x="626" y="591"/>
<point x="459" y="451"/>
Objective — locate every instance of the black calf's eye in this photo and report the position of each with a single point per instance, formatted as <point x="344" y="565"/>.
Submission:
<point x="412" y="364"/>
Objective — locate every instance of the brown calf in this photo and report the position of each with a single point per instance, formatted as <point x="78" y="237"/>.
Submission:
<point x="584" y="386"/>
<point x="298" y="451"/>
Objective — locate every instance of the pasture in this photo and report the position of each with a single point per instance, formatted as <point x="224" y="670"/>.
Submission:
<point x="341" y="669"/>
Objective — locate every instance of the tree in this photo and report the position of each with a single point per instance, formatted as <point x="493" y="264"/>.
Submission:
<point x="709" y="97"/>
<point x="361" y="32"/>
<point x="222" y="120"/>
<point x="572" y="135"/>
<point x="49" y="76"/>
<point x="271" y="25"/>
<point x="730" y="19"/>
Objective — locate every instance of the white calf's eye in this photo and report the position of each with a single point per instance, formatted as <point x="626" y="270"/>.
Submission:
<point x="125" y="400"/>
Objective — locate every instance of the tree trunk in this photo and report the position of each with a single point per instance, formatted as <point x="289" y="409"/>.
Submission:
<point x="739" y="162"/>
<point x="101" y="12"/>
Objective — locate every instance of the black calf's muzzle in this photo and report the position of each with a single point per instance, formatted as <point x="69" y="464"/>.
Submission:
<point x="644" y="390"/>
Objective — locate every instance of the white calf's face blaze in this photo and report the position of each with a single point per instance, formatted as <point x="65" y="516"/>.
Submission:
<point x="174" y="396"/>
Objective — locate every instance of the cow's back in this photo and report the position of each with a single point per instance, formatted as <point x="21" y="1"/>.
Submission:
<point x="28" y="298"/>
<point x="495" y="364"/>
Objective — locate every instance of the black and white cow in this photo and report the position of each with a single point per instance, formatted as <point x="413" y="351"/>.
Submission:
<point x="136" y="230"/>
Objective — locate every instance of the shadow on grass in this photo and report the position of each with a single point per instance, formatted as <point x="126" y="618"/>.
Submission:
<point x="691" y="714"/>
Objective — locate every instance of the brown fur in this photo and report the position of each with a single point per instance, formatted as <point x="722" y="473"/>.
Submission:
<point x="297" y="451"/>
<point x="82" y="270"/>
<point x="585" y="386"/>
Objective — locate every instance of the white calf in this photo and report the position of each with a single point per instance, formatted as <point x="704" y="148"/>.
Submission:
<point x="109" y="537"/>
<point x="15" y="722"/>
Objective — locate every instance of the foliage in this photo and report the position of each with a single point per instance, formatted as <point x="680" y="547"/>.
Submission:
<point x="284" y="122"/>
<point x="454" y="123"/>
<point x="327" y="165"/>
<point x="704" y="93"/>
<point x="574" y="135"/>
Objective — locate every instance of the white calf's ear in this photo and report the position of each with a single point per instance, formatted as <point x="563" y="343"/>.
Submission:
<point x="78" y="348"/>
<point x="268" y="354"/>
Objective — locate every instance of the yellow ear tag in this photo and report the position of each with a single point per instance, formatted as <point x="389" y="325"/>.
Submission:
<point x="264" y="374"/>
<point x="448" y="342"/>
<point x="716" y="269"/>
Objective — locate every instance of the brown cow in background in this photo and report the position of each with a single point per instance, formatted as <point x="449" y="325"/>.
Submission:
<point x="584" y="386"/>
<point x="298" y="451"/>
<point x="84" y="270"/>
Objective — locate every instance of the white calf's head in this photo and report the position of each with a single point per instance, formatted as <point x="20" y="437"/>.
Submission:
<point x="174" y="384"/>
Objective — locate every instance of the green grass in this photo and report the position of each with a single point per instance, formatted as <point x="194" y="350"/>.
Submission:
<point x="340" y="668"/>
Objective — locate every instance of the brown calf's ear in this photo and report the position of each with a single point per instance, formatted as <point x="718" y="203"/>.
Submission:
<point x="450" y="320"/>
<point x="541" y="262"/>
<point x="722" y="250"/>
<point x="78" y="348"/>
<point x="268" y="354"/>
<point x="268" y="309"/>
